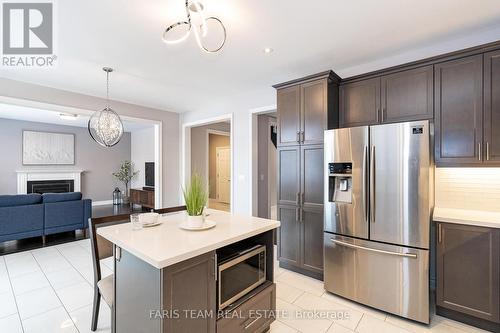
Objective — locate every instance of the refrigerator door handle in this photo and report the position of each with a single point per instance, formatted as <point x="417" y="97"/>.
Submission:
<point x="353" y="246"/>
<point x="372" y="185"/>
<point x="365" y="190"/>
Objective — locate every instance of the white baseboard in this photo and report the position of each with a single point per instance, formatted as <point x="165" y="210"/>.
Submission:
<point x="102" y="203"/>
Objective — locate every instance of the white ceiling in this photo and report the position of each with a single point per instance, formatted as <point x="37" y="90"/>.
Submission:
<point x="52" y="117"/>
<point x="307" y="37"/>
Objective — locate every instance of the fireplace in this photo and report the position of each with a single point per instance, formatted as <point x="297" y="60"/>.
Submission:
<point x="50" y="186"/>
<point x="48" y="180"/>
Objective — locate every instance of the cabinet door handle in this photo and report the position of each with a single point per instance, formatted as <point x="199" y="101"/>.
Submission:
<point x="302" y="136"/>
<point x="440" y="233"/>
<point x="378" y="115"/>
<point x="301" y="215"/>
<point x="297" y="199"/>
<point x="298" y="136"/>
<point x="487" y="151"/>
<point x="303" y="199"/>
<point x="297" y="214"/>
<point x="384" y="113"/>
<point x="247" y="326"/>
<point x="480" y="153"/>
<point x="216" y="268"/>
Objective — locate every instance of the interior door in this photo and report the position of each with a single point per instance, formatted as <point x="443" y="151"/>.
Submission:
<point x="223" y="166"/>
<point x="399" y="184"/>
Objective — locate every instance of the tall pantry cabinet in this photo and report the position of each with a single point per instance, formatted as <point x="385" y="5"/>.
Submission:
<point x="306" y="108"/>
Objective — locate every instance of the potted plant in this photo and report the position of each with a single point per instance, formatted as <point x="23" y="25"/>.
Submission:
<point x="195" y="197"/>
<point x="125" y="175"/>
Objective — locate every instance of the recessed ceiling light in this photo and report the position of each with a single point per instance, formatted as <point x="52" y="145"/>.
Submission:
<point x="268" y="50"/>
<point x="68" y="116"/>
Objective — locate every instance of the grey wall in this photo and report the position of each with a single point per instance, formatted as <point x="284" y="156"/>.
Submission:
<point x="265" y="171"/>
<point x="199" y="144"/>
<point x="169" y="120"/>
<point x="97" y="162"/>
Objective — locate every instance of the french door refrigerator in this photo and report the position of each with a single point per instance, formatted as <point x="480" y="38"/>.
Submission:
<point x="378" y="203"/>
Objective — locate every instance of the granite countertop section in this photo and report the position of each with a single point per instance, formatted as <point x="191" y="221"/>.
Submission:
<point x="470" y="217"/>
<point x="167" y="244"/>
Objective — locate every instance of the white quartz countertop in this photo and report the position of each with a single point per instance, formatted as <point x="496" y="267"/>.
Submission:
<point x="167" y="244"/>
<point x="471" y="217"/>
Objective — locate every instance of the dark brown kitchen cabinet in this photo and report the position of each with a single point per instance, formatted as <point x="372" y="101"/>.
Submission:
<point x="312" y="168"/>
<point x="360" y="103"/>
<point x="398" y="97"/>
<point x="492" y="107"/>
<point x="288" y="103"/>
<point x="289" y="235"/>
<point x="289" y="175"/>
<point x="301" y="189"/>
<point x="408" y="95"/>
<point x="306" y="107"/>
<point x="468" y="276"/>
<point x="312" y="249"/>
<point x="459" y="111"/>
<point x="313" y="111"/>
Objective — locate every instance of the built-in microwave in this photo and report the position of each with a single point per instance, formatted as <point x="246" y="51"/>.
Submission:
<point x="239" y="272"/>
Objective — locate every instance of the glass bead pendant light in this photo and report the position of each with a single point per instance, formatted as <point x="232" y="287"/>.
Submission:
<point x="105" y="126"/>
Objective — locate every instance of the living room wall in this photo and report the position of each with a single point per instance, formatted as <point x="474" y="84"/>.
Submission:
<point x="97" y="162"/>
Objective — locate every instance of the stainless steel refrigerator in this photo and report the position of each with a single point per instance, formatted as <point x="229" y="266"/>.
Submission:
<point x="378" y="203"/>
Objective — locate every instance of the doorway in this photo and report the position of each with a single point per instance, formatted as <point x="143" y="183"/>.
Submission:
<point x="266" y="165"/>
<point x="210" y="156"/>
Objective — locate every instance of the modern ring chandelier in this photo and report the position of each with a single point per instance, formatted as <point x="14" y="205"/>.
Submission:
<point x="181" y="30"/>
<point x="105" y="126"/>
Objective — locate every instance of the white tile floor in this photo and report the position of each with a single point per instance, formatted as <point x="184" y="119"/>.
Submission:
<point x="50" y="290"/>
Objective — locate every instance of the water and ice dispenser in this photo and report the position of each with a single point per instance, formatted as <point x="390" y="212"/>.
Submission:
<point x="340" y="182"/>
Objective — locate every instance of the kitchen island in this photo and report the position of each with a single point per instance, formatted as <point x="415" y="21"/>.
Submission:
<point x="166" y="278"/>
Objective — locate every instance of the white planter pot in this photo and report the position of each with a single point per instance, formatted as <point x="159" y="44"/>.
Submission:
<point x="195" y="221"/>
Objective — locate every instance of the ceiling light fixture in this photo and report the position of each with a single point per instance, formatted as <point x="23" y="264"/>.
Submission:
<point x="105" y="126"/>
<point x="181" y="30"/>
<point x="68" y="116"/>
<point x="268" y="50"/>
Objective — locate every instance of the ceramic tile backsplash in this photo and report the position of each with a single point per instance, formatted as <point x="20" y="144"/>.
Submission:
<point x="468" y="188"/>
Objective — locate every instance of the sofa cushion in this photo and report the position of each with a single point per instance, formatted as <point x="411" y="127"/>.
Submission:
<point x="20" y="200"/>
<point x="60" y="197"/>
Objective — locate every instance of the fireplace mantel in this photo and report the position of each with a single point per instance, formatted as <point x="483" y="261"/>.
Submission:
<point x="25" y="175"/>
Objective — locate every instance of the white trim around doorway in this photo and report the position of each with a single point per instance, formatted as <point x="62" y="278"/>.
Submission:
<point x="253" y="151"/>
<point x="185" y="160"/>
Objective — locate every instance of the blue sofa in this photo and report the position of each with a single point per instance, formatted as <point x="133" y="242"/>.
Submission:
<point x="32" y="215"/>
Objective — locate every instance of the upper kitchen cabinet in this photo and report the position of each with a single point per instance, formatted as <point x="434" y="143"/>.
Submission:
<point x="459" y="111"/>
<point x="401" y="96"/>
<point x="492" y="107"/>
<point x="314" y="111"/>
<point x="408" y="95"/>
<point x="289" y="116"/>
<point x="307" y="107"/>
<point x="360" y="103"/>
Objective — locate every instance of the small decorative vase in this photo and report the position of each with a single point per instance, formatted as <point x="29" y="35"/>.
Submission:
<point x="125" y="200"/>
<point x="195" y="221"/>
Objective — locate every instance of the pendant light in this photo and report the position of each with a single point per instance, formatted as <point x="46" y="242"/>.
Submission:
<point x="105" y="126"/>
<point x="203" y="32"/>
